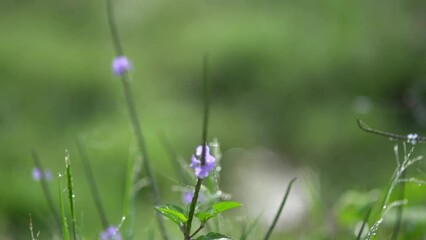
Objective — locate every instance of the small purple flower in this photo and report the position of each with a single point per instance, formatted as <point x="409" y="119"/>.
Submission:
<point x="38" y="174"/>
<point x="189" y="194"/>
<point x="111" y="233"/>
<point x="202" y="171"/>
<point x="47" y="175"/>
<point x="120" y="65"/>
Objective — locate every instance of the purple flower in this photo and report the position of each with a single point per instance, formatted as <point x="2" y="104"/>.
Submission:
<point x="189" y="194"/>
<point x="120" y="65"/>
<point x="38" y="174"/>
<point x="111" y="233"/>
<point x="202" y="171"/>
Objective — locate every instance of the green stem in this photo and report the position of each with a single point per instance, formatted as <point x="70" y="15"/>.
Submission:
<point x="71" y="195"/>
<point x="45" y="187"/>
<point x="187" y="233"/>
<point x="398" y="223"/>
<point x="277" y="216"/>
<point x="134" y="119"/>
<point x="192" y="209"/>
<point x="361" y="230"/>
<point x="92" y="184"/>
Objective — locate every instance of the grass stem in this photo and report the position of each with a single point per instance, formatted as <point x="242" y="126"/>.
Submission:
<point x="134" y="119"/>
<point x="45" y="187"/>
<point x="92" y="184"/>
<point x="277" y="216"/>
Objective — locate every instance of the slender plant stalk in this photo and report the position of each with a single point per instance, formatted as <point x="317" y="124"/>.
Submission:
<point x="277" y="216"/>
<point x="45" y="188"/>
<point x="392" y="136"/>
<point x="134" y="119"/>
<point x="192" y="209"/>
<point x="398" y="223"/>
<point x="364" y="222"/>
<point x="33" y="237"/>
<point x="92" y="183"/>
<point x="198" y="230"/>
<point x="246" y="232"/>
<point x="133" y="170"/>
<point x="187" y="233"/>
<point x="174" y="159"/>
<point x="71" y="194"/>
<point x="65" y="230"/>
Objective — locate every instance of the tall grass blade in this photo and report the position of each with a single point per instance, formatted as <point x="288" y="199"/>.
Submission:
<point x="64" y="223"/>
<point x="364" y="222"/>
<point x="277" y="216"/>
<point x="247" y="231"/>
<point x="134" y="119"/>
<point x="92" y="183"/>
<point x="131" y="189"/>
<point x="398" y="223"/>
<point x="174" y="160"/>
<point x="71" y="195"/>
<point x="45" y="188"/>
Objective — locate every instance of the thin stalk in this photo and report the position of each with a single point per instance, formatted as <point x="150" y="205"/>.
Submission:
<point x="65" y="231"/>
<point x="174" y="159"/>
<point x="398" y="223"/>
<point x="198" y="230"/>
<point x="187" y="233"/>
<point x="390" y="135"/>
<point x="45" y="188"/>
<point x="192" y="209"/>
<point x="277" y="216"/>
<point x="33" y="237"/>
<point x="92" y="184"/>
<point x="364" y="222"/>
<point x="71" y="195"/>
<point x="134" y="119"/>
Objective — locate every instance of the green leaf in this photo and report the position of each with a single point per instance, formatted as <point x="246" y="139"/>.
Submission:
<point x="173" y="212"/>
<point x="213" y="236"/>
<point x="204" y="216"/>
<point x="65" y="231"/>
<point x="224" y="206"/>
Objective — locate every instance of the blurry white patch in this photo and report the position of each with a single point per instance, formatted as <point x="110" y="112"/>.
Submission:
<point x="262" y="178"/>
<point x="362" y="105"/>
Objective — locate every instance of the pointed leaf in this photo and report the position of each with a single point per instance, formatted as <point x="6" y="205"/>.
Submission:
<point x="173" y="212"/>
<point x="225" y="206"/>
<point x="213" y="236"/>
<point x="204" y="216"/>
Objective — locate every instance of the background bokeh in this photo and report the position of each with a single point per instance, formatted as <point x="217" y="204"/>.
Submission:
<point x="288" y="80"/>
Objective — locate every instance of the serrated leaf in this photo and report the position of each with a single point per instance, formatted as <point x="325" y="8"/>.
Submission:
<point x="204" y="216"/>
<point x="225" y="206"/>
<point x="173" y="213"/>
<point x="213" y="236"/>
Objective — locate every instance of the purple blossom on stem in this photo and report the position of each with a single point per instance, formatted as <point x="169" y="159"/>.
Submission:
<point x="111" y="233"/>
<point x="121" y="65"/>
<point x="202" y="171"/>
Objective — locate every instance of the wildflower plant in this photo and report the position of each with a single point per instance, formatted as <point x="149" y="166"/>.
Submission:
<point x="203" y="199"/>
<point x="398" y="177"/>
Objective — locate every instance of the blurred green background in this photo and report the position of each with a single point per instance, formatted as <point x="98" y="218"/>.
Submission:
<point x="287" y="76"/>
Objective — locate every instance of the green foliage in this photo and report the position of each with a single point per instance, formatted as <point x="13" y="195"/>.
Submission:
<point x="213" y="236"/>
<point x="173" y="213"/>
<point x="65" y="231"/>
